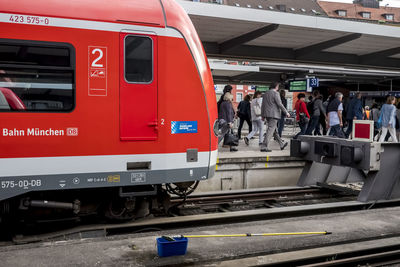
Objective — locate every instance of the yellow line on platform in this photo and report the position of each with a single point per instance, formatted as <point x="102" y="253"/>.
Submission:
<point x="264" y="234"/>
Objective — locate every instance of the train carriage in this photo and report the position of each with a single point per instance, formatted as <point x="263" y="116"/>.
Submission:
<point x="101" y="100"/>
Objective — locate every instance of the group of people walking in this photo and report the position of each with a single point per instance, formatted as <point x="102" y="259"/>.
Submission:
<point x="316" y="114"/>
<point x="315" y="117"/>
<point x="268" y="109"/>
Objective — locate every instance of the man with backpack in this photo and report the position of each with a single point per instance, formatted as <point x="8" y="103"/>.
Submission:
<point x="335" y="120"/>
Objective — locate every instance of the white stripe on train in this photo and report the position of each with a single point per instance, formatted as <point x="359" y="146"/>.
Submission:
<point x="93" y="25"/>
<point x="92" y="164"/>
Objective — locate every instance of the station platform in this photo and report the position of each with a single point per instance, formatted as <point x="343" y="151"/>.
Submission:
<point x="249" y="168"/>
<point x="140" y="249"/>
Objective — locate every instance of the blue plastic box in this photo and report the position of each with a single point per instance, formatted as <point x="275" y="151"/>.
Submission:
<point x="172" y="248"/>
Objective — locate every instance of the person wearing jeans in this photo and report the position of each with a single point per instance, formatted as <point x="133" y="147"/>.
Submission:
<point x="388" y="117"/>
<point x="335" y="120"/>
<point x="354" y="112"/>
<point x="257" y="122"/>
<point x="318" y="111"/>
<point x="301" y="110"/>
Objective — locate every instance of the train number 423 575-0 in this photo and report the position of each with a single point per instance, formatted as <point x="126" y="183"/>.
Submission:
<point x="29" y="19"/>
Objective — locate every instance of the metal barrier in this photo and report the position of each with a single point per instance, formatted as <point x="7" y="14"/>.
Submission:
<point x="331" y="160"/>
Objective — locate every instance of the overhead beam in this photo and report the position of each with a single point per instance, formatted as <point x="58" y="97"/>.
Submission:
<point x="380" y="54"/>
<point x="247" y="37"/>
<point x="249" y="52"/>
<point x="301" y="52"/>
<point x="243" y="76"/>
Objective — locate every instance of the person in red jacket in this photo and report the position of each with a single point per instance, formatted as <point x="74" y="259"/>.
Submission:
<point x="302" y="116"/>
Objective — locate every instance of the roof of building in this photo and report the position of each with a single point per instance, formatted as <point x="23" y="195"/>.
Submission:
<point x="305" y="7"/>
<point x="354" y="11"/>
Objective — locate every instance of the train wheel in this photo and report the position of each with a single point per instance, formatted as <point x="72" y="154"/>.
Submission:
<point x="127" y="209"/>
<point x="120" y="209"/>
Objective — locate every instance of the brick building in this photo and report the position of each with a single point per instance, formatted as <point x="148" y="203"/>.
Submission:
<point x="362" y="10"/>
<point x="238" y="92"/>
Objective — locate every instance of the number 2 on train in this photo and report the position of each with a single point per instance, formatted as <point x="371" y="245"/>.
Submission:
<point x="94" y="62"/>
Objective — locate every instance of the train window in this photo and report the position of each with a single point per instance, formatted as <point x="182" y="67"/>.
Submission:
<point x="138" y="59"/>
<point x="37" y="76"/>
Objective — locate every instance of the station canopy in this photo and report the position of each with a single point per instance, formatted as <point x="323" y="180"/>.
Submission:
<point x="278" y="46"/>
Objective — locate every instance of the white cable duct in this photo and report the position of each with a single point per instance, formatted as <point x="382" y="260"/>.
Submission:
<point x="312" y="69"/>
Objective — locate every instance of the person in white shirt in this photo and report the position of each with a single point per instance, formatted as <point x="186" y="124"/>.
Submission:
<point x="257" y="122"/>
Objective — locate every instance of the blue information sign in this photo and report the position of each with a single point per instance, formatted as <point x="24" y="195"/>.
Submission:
<point x="178" y="127"/>
<point x="313" y="82"/>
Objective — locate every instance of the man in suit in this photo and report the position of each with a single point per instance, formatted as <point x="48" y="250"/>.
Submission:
<point x="271" y="110"/>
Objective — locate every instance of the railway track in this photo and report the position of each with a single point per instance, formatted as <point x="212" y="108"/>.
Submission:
<point x="219" y="209"/>
<point x="381" y="251"/>
<point x="227" y="202"/>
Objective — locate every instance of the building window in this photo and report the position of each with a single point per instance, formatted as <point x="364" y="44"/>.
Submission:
<point x="366" y="15"/>
<point x="389" y="16"/>
<point x="342" y="13"/>
<point x="239" y="87"/>
<point x="239" y="97"/>
<point x="138" y="59"/>
<point x="281" y="7"/>
<point x="37" y="76"/>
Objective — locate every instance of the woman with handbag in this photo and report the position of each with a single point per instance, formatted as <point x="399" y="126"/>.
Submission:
<point x="227" y="114"/>
<point x="257" y="122"/>
<point x="302" y="116"/>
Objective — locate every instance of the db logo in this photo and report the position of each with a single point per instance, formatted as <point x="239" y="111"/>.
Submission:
<point x="72" y="131"/>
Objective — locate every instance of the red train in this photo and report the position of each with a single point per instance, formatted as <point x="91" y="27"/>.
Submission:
<point x="101" y="103"/>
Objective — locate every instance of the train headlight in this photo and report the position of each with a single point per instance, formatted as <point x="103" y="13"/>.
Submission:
<point x="216" y="128"/>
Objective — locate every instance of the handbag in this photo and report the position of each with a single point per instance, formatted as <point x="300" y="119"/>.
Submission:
<point x="303" y="118"/>
<point x="231" y="139"/>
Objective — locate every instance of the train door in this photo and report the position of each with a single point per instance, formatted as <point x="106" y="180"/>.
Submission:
<point x="138" y="87"/>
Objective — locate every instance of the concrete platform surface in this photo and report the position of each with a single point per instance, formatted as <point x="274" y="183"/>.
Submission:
<point x="249" y="168"/>
<point x="140" y="249"/>
<point x="253" y="149"/>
